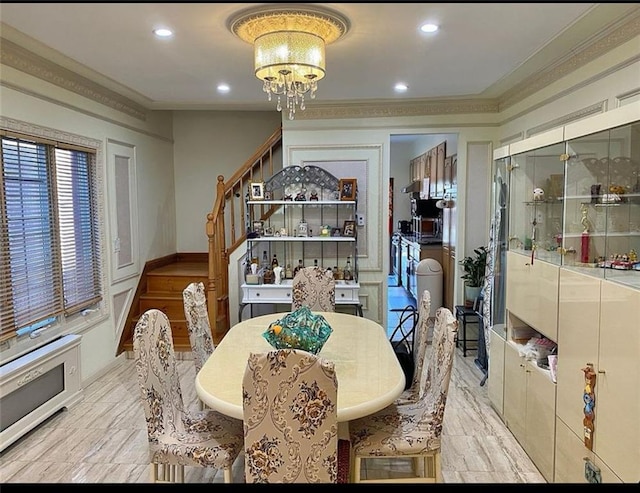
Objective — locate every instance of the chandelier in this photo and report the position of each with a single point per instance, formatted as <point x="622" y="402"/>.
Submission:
<point x="289" y="48"/>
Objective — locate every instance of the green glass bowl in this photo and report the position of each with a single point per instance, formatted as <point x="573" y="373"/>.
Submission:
<point x="300" y="329"/>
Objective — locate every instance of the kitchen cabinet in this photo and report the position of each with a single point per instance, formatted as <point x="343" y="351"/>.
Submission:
<point x="441" y="152"/>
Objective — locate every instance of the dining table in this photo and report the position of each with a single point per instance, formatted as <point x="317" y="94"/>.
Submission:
<point x="367" y="369"/>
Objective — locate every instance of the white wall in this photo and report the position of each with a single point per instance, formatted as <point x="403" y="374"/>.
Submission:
<point x="208" y="144"/>
<point x="305" y="138"/>
<point x="39" y="104"/>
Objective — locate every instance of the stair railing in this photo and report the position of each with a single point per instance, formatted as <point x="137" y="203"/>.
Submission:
<point x="226" y="225"/>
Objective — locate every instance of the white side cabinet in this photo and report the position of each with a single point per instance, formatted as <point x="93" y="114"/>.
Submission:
<point x="529" y="408"/>
<point x="532" y="293"/>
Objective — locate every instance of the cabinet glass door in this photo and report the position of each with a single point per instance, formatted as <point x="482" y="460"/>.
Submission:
<point x="536" y="202"/>
<point x="602" y="215"/>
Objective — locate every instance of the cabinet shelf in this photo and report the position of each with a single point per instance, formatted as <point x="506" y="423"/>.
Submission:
<point x="326" y="239"/>
<point x="300" y="217"/>
<point x="301" y="202"/>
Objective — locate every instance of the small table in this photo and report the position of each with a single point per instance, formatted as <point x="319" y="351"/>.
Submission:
<point x="465" y="315"/>
<point x="369" y="374"/>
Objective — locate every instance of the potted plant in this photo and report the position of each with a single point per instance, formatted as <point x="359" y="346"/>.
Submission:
<point x="474" y="267"/>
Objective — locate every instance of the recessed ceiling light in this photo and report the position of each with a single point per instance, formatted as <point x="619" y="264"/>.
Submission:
<point x="401" y="87"/>
<point x="428" y="28"/>
<point x="223" y="88"/>
<point x="163" y="32"/>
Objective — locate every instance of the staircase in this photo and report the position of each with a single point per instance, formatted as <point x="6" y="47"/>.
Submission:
<point x="161" y="287"/>
<point x="163" y="280"/>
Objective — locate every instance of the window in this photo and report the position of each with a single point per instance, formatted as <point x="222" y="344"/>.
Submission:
<point x="49" y="241"/>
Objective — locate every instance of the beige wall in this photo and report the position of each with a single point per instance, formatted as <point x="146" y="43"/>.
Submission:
<point x="208" y="144"/>
<point x="43" y="107"/>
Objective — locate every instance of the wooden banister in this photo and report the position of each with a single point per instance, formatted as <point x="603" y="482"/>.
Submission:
<point x="226" y="226"/>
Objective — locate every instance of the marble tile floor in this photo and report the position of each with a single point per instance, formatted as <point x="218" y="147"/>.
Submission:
<point x="103" y="438"/>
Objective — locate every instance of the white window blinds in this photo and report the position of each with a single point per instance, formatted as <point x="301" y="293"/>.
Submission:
<point x="49" y="243"/>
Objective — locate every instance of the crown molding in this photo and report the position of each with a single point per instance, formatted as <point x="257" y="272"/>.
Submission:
<point x="13" y="55"/>
<point x="588" y="52"/>
<point x="405" y="108"/>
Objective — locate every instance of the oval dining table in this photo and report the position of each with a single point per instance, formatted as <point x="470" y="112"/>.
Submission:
<point x="369" y="375"/>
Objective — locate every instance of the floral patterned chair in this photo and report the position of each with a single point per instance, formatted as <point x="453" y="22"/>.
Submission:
<point x="197" y="317"/>
<point x="411" y="430"/>
<point x="290" y="418"/>
<point x="312" y="287"/>
<point x="420" y="344"/>
<point x="176" y="436"/>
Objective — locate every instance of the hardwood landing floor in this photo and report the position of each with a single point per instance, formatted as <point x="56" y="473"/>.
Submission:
<point x="103" y="438"/>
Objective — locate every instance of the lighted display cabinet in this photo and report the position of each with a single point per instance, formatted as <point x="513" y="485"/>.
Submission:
<point x="537" y="193"/>
<point x="572" y="275"/>
<point x="602" y="204"/>
<point x="301" y="216"/>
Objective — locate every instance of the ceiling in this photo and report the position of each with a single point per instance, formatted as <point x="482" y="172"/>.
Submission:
<point x="482" y="50"/>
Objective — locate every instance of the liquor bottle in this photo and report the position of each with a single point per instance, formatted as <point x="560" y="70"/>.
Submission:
<point x="315" y="262"/>
<point x="274" y="262"/>
<point x="288" y="273"/>
<point x="298" y="267"/>
<point x="347" y="273"/>
<point x="265" y="260"/>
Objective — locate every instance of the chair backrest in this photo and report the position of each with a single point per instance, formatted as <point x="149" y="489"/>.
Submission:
<point x="290" y="418"/>
<point x="420" y="343"/>
<point x="313" y="287"/>
<point x="438" y="376"/>
<point x="197" y="317"/>
<point x="158" y="377"/>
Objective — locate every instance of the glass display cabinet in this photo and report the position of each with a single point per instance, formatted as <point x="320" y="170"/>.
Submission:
<point x="602" y="204"/>
<point x="536" y="206"/>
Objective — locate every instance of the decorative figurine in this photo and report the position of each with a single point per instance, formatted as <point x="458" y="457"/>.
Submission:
<point x="314" y="196"/>
<point x="538" y="194"/>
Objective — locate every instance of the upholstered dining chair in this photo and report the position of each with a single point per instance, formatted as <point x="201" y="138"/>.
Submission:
<point x="313" y="287"/>
<point x="197" y="317"/>
<point x="198" y="327"/>
<point x="411" y="430"/>
<point x="176" y="436"/>
<point x="420" y="344"/>
<point x="290" y="418"/>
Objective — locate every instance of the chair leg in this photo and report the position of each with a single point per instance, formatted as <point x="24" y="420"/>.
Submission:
<point x="228" y="478"/>
<point x="357" y="461"/>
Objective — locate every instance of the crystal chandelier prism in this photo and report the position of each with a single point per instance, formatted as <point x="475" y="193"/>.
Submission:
<point x="289" y="49"/>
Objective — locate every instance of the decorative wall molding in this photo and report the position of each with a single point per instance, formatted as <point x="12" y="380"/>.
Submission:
<point x="49" y="133"/>
<point x="628" y="97"/>
<point x="589" y="51"/>
<point x="395" y="109"/>
<point x="511" y="138"/>
<point x="77" y="109"/>
<point x="594" y="109"/>
<point x="28" y="62"/>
